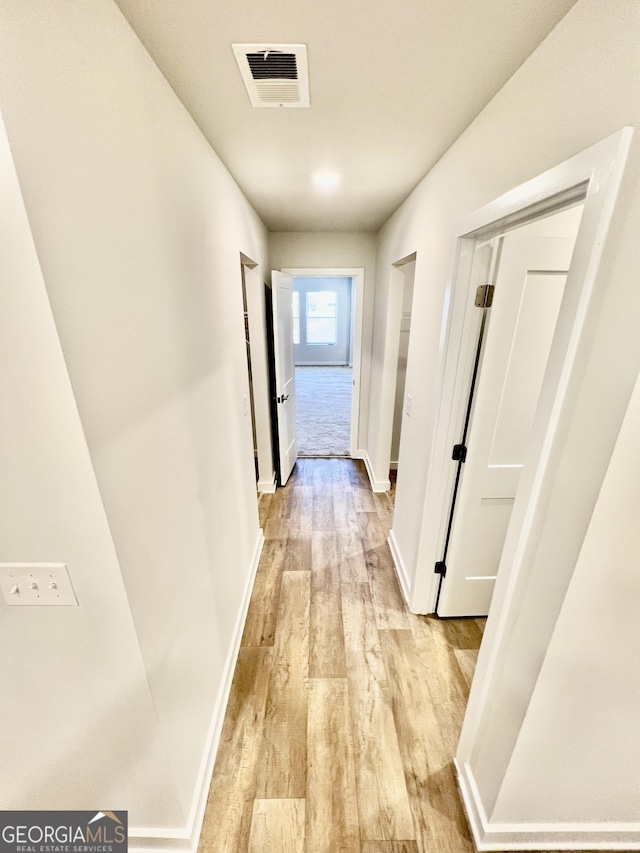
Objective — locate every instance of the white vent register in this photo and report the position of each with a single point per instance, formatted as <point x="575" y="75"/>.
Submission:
<point x="275" y="75"/>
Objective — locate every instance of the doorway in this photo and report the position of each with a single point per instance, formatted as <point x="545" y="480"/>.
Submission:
<point x="250" y="402"/>
<point x="322" y="347"/>
<point x="257" y="402"/>
<point x="327" y="309"/>
<point x="593" y="177"/>
<point x="590" y="376"/>
<point x="402" y="405"/>
<point x="518" y="312"/>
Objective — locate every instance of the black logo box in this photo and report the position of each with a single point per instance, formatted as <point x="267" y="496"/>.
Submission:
<point x="63" y="831"/>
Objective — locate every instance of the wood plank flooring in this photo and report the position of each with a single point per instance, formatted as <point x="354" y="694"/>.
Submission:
<point x="345" y="708"/>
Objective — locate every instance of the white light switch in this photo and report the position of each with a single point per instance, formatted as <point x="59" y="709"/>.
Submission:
<point x="245" y="404"/>
<point x="408" y="405"/>
<point x="36" y="584"/>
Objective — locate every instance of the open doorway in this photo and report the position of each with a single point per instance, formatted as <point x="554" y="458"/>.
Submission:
<point x="516" y="314"/>
<point x="256" y="402"/>
<point x="402" y="402"/>
<point x="322" y="351"/>
<point x="592" y="177"/>
<point x="327" y="340"/>
<point x="250" y="402"/>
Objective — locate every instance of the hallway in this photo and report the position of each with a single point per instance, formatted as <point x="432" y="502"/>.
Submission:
<point x="345" y="708"/>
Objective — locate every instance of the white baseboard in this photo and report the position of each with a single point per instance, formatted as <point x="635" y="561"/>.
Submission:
<point x="376" y="485"/>
<point x="357" y="454"/>
<point x="185" y="839"/>
<point x="539" y="836"/>
<point x="268" y="487"/>
<point x="401" y="569"/>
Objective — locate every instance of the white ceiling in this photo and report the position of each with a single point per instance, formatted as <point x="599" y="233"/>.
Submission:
<point x="393" y="84"/>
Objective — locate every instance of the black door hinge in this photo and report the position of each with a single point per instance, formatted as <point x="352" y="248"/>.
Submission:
<point x="459" y="453"/>
<point x="440" y="568"/>
<point x="484" y="296"/>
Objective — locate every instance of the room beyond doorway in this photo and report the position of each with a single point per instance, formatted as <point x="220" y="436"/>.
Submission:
<point x="322" y="354"/>
<point x="322" y="328"/>
<point x="356" y="277"/>
<point x="323" y="411"/>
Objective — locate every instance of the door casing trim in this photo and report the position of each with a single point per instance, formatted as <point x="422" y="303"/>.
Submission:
<point x="593" y="175"/>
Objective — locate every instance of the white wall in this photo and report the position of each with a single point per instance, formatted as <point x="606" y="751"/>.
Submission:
<point x="139" y="230"/>
<point x="302" y="250"/>
<point x="578" y="726"/>
<point x="78" y="722"/>
<point x="578" y="87"/>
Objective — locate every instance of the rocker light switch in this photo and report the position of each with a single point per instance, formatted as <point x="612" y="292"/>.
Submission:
<point x="36" y="585"/>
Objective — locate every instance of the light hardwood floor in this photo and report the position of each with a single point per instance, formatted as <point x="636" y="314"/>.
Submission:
<point x="345" y="708"/>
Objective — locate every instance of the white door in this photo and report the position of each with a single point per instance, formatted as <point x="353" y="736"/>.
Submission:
<point x="528" y="291"/>
<point x="282" y="287"/>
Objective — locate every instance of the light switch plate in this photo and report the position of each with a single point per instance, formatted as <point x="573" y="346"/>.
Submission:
<point x="408" y="405"/>
<point x="36" y="585"/>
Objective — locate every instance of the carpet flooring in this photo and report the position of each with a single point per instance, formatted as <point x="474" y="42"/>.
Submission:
<point x="323" y="410"/>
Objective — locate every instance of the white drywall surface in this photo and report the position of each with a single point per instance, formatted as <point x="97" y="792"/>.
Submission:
<point x="578" y="750"/>
<point x="139" y="230"/>
<point x="78" y="721"/>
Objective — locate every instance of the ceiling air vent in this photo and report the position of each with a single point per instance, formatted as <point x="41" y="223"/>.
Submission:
<point x="276" y="75"/>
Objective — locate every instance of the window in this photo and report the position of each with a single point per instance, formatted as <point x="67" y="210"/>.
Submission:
<point x="322" y="326"/>
<point x="295" y="314"/>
